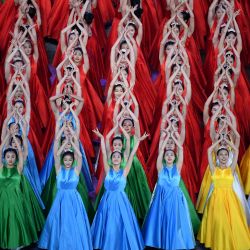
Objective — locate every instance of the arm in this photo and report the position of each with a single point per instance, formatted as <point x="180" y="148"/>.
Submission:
<point x="140" y="28"/>
<point x="127" y="149"/>
<point x="180" y="154"/>
<point x="132" y="154"/>
<point x="4" y="141"/>
<point x="20" y="157"/>
<point x="211" y="13"/>
<point x="78" y="157"/>
<point x="210" y="155"/>
<point x="235" y="155"/>
<point x="161" y="154"/>
<point x="108" y="136"/>
<point x="103" y="149"/>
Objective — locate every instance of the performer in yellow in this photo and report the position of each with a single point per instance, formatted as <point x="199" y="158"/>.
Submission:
<point x="224" y="223"/>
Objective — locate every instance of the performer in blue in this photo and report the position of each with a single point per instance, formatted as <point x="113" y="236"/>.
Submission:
<point x="70" y="127"/>
<point x="69" y="115"/>
<point x="168" y="224"/>
<point x="115" y="225"/>
<point x="67" y="225"/>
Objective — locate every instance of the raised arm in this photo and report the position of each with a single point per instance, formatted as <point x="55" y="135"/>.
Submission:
<point x="20" y="156"/>
<point x="107" y="139"/>
<point x="180" y="154"/>
<point x="103" y="149"/>
<point x="159" y="163"/>
<point x="77" y="156"/>
<point x="132" y="154"/>
<point x="210" y="151"/>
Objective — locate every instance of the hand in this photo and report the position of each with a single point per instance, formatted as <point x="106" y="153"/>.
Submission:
<point x="145" y="135"/>
<point x="236" y="13"/>
<point x="97" y="132"/>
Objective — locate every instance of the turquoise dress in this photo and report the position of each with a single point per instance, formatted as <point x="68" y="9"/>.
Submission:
<point x="67" y="226"/>
<point x="168" y="224"/>
<point x="115" y="225"/>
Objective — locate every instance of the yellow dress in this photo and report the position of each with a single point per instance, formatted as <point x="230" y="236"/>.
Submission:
<point x="245" y="171"/>
<point x="205" y="187"/>
<point x="224" y="225"/>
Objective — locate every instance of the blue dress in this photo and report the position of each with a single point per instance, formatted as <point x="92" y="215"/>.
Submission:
<point x="49" y="164"/>
<point x="67" y="226"/>
<point x="115" y="225"/>
<point x="168" y="224"/>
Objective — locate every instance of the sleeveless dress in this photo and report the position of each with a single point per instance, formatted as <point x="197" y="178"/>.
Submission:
<point x="226" y="229"/>
<point x="20" y="212"/>
<point x="50" y="191"/>
<point x="168" y="224"/>
<point x="115" y="225"/>
<point x="67" y="225"/>
<point x="137" y="187"/>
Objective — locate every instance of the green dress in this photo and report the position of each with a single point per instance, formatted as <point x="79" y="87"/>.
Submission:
<point x="21" y="217"/>
<point x="50" y="189"/>
<point x="137" y="188"/>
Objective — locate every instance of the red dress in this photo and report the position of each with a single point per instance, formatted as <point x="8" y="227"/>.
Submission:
<point x="107" y="10"/>
<point x="39" y="100"/>
<point x="161" y="8"/>
<point x="7" y="22"/>
<point x="243" y="23"/>
<point x="201" y="27"/>
<point x="154" y="63"/>
<point x="210" y="63"/>
<point x="150" y="26"/>
<point x="96" y="65"/>
<point x="45" y="8"/>
<point x="59" y="16"/>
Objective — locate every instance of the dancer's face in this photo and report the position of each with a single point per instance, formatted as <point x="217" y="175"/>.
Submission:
<point x="127" y="125"/>
<point x="124" y="46"/>
<point x="230" y="38"/>
<point x="214" y="109"/>
<point x="169" y="157"/>
<point x="68" y="161"/>
<point x="219" y="12"/>
<point x="223" y="157"/>
<point x="68" y="89"/>
<point x="131" y="31"/>
<point x="170" y="144"/>
<point x="117" y="145"/>
<point x="175" y="29"/>
<point x="14" y="128"/>
<point x="19" y="92"/>
<point x="223" y="94"/>
<point x="13" y="143"/>
<point x="68" y="145"/>
<point x="77" y="56"/>
<point x="10" y="158"/>
<point x="71" y="39"/>
<point x="118" y="92"/>
<point x="116" y="159"/>
<point x="19" y="107"/>
<point x="178" y="60"/>
<point x="27" y="47"/>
